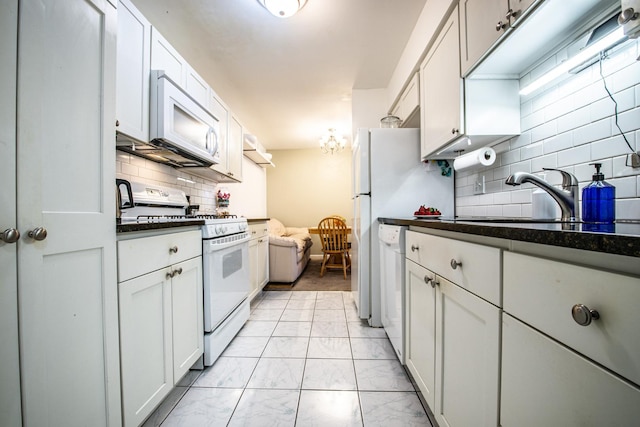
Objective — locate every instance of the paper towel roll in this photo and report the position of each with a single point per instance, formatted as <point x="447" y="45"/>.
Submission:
<point x="481" y="157"/>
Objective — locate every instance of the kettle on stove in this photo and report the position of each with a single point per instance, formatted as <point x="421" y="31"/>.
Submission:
<point x="119" y="205"/>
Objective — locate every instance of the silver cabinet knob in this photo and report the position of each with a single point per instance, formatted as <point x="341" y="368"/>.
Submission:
<point x="627" y="15"/>
<point x="500" y="25"/>
<point x="455" y="264"/>
<point x="38" y="233"/>
<point x="583" y="315"/>
<point x="10" y="235"/>
<point x="454" y="131"/>
<point x="414" y="248"/>
<point x="170" y="274"/>
<point x="428" y="280"/>
<point x="173" y="250"/>
<point x="178" y="271"/>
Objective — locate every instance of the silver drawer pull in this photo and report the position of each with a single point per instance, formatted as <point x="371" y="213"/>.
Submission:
<point x="38" y="233"/>
<point x="170" y="274"/>
<point x="583" y="315"/>
<point x="414" y="248"/>
<point x="10" y="235"/>
<point x="455" y="264"/>
<point x="173" y="250"/>
<point x="178" y="271"/>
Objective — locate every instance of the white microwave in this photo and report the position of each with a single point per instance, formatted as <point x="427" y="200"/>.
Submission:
<point x="180" y="126"/>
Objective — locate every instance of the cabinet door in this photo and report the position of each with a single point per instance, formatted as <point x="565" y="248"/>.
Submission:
<point x="518" y="8"/>
<point x="133" y="64"/>
<point x="146" y="343"/>
<point x="235" y="149"/>
<point x="441" y="87"/>
<point x="165" y="57"/>
<point x="221" y="113"/>
<point x="187" y="315"/>
<point x="197" y="87"/>
<point x="420" y="328"/>
<point x="253" y="267"/>
<point x="546" y="384"/>
<point x="482" y="22"/>
<point x="263" y="261"/>
<point x="467" y="358"/>
<point x="65" y="183"/>
<point x="9" y="357"/>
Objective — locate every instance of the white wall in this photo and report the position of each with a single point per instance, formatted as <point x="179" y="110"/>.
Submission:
<point x="567" y="126"/>
<point x="368" y="106"/>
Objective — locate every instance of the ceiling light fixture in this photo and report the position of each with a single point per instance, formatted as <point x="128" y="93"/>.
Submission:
<point x="584" y="55"/>
<point x="283" y="8"/>
<point x="332" y="143"/>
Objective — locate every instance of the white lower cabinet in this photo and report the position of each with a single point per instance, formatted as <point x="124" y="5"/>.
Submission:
<point x="161" y="321"/>
<point x="258" y="257"/>
<point x="546" y="384"/>
<point x="453" y="344"/>
<point x="421" y="329"/>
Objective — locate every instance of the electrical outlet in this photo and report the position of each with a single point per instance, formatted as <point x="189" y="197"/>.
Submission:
<point x="633" y="160"/>
<point x="478" y="187"/>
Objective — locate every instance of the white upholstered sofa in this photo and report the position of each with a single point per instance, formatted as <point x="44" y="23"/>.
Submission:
<point x="289" y="251"/>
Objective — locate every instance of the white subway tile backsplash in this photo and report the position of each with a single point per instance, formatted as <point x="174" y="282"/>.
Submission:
<point x="625" y="187"/>
<point x="494" y="210"/>
<point x="558" y="142"/>
<point x="574" y="155"/>
<point x="548" y="161"/>
<point x="621" y="169"/>
<point x="521" y="140"/>
<point x="563" y="106"/>
<point x="628" y="120"/>
<point x="573" y="120"/>
<point x="510" y="157"/>
<point x="128" y="169"/>
<point x="626" y="77"/>
<point x="501" y="172"/>
<point x="544" y="131"/>
<point x="628" y="208"/>
<point x="502" y="198"/>
<point x="521" y="167"/>
<point x="536" y="118"/>
<point x="521" y="196"/>
<point x="512" y="210"/>
<point x="610" y="147"/>
<point x="592" y="132"/>
<point x="531" y="151"/>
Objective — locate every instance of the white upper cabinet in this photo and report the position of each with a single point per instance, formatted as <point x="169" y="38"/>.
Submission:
<point x="132" y="79"/>
<point x="482" y="23"/>
<point x="441" y="90"/>
<point x="165" y="57"/>
<point x="462" y="114"/>
<point x="230" y="143"/>
<point x="408" y="105"/>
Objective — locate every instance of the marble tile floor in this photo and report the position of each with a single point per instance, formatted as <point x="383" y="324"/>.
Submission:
<point x="303" y="359"/>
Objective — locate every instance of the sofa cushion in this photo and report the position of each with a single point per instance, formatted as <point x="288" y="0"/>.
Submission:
<point x="276" y="228"/>
<point x="301" y="241"/>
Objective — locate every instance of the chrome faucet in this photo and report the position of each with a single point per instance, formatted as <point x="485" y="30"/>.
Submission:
<point x="567" y="198"/>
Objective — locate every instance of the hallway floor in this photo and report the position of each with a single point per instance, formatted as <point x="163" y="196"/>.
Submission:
<point x="303" y="359"/>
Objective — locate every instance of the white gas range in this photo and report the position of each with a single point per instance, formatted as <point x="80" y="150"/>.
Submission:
<point x="225" y="259"/>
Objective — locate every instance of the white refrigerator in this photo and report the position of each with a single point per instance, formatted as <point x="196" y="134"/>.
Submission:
<point x="389" y="180"/>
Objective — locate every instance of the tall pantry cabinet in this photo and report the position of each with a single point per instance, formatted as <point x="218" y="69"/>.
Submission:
<point x="61" y="163"/>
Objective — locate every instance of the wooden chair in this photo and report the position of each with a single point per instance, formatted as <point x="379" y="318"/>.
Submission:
<point x="333" y="233"/>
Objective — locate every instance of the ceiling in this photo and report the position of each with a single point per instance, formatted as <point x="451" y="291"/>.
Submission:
<point x="288" y="80"/>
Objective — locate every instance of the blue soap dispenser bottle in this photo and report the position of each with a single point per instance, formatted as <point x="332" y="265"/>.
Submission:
<point x="599" y="200"/>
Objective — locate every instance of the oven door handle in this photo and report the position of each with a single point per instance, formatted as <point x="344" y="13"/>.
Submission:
<point x="220" y="246"/>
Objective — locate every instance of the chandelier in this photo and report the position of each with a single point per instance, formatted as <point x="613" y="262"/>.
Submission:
<point x="332" y="143"/>
<point x="283" y="8"/>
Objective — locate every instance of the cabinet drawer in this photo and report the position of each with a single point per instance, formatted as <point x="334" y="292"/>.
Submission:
<point x="478" y="269"/>
<point x="542" y="293"/>
<point x="546" y="384"/>
<point x="140" y="256"/>
<point x="258" y="230"/>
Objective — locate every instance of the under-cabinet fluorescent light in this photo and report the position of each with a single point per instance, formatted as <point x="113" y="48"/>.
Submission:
<point x="574" y="61"/>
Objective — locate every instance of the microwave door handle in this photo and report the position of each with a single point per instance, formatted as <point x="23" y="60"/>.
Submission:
<point x="214" y="145"/>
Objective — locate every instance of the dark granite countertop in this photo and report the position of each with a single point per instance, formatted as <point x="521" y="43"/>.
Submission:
<point x="147" y="226"/>
<point x="250" y="220"/>
<point x="621" y="238"/>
